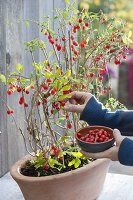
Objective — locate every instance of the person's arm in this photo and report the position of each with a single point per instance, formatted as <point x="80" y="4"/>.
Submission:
<point x="122" y="151"/>
<point x="94" y="113"/>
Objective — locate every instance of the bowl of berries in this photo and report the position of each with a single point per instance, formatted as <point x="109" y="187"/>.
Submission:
<point x="95" y="139"/>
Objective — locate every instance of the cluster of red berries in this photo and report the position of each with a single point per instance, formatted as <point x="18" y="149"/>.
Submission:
<point x="10" y="111"/>
<point x="56" y="151"/>
<point x="56" y="106"/>
<point x="80" y="25"/>
<point x="95" y="136"/>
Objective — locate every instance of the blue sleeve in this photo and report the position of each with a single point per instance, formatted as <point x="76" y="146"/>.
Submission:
<point x="125" y="154"/>
<point x="96" y="114"/>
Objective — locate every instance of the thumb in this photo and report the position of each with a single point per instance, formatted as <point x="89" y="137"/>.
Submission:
<point x="117" y="136"/>
<point x="73" y="108"/>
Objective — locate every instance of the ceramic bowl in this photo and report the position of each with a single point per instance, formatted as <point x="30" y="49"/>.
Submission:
<point x="96" y="146"/>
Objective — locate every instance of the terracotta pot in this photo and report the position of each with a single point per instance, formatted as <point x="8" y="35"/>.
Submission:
<point x="84" y="183"/>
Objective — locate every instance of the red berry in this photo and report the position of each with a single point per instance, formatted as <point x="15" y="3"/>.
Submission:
<point x="9" y="92"/>
<point x="62" y="104"/>
<point x="83" y="28"/>
<point x="84" y="42"/>
<point x="69" y="126"/>
<point x="53" y="92"/>
<point x="51" y="41"/>
<point x="86" y="24"/>
<point x="49" y="37"/>
<point x="82" y="45"/>
<point x="100" y="78"/>
<point x="27" y="92"/>
<point x="67" y="116"/>
<point x="107" y="46"/>
<point x="72" y="38"/>
<point x="38" y="103"/>
<point x="109" y="88"/>
<point x="63" y="39"/>
<point x="19" y="89"/>
<point x="117" y="62"/>
<point x="46" y="167"/>
<point x="79" y="135"/>
<point x="58" y="47"/>
<point x="97" y="59"/>
<point x="104" y="91"/>
<point x="45" y="87"/>
<point x="91" y="75"/>
<point x="102" y="71"/>
<point x="25" y="105"/>
<point x="82" y="138"/>
<point x="52" y="112"/>
<point x="21" y="100"/>
<point x="80" y="20"/>
<point x="75" y="43"/>
<point x="76" y="52"/>
<point x="49" y="80"/>
<point x="8" y="112"/>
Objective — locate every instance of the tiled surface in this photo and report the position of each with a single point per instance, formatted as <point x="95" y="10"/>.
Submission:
<point x="116" y="187"/>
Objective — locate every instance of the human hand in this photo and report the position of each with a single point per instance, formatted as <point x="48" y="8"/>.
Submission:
<point x="77" y="102"/>
<point x="111" y="153"/>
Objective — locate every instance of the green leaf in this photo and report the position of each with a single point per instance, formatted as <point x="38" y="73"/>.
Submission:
<point x="66" y="87"/>
<point x="20" y="68"/>
<point x="3" y="78"/>
<point x="51" y="53"/>
<point x="62" y="97"/>
<point x="56" y="17"/>
<point x="77" y="163"/>
<point x="71" y="163"/>
<point x="76" y="154"/>
<point x="53" y="162"/>
<point x="11" y="80"/>
<point x="91" y="87"/>
<point x="65" y="15"/>
<point x="67" y="1"/>
<point x="49" y="75"/>
<point x="62" y="153"/>
<point x="68" y="73"/>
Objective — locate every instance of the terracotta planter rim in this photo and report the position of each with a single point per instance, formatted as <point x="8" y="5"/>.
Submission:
<point x="15" y="170"/>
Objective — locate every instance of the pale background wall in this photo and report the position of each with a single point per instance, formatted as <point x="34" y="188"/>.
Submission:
<point x="13" y="34"/>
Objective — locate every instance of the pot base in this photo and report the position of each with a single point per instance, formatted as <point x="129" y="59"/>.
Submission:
<point x="84" y="183"/>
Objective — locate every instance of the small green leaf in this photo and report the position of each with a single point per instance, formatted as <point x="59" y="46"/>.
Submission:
<point x="51" y="53"/>
<point x="68" y="73"/>
<point x="53" y="162"/>
<point x="56" y="17"/>
<point x="66" y="87"/>
<point x="71" y="163"/>
<point x="77" y="163"/>
<point x="3" y="78"/>
<point x="67" y="1"/>
<point x="49" y="75"/>
<point x="65" y="15"/>
<point x="62" y="97"/>
<point x="76" y="154"/>
<point x="20" y="68"/>
<point x="11" y="80"/>
<point x="24" y="80"/>
<point x="91" y="87"/>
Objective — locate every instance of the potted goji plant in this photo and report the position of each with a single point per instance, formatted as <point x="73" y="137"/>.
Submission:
<point x="79" y="51"/>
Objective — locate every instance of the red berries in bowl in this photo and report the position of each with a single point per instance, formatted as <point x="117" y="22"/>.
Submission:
<point x="95" y="138"/>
